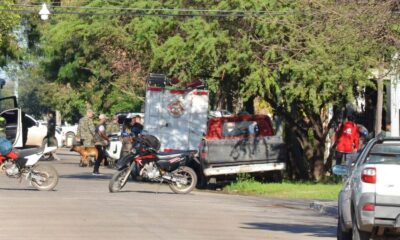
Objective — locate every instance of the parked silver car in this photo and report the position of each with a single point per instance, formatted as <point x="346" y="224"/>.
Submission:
<point x="369" y="202"/>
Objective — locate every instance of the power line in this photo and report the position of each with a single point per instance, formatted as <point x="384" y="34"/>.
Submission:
<point x="161" y="12"/>
<point x="151" y="11"/>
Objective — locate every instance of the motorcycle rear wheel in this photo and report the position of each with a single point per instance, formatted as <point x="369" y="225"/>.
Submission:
<point x="118" y="180"/>
<point x="187" y="175"/>
<point x="49" y="175"/>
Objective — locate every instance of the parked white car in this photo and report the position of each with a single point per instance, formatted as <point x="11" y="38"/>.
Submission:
<point x="22" y="129"/>
<point x="38" y="131"/>
<point x="369" y="202"/>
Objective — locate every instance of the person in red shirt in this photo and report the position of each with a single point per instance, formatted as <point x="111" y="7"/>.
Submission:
<point x="347" y="139"/>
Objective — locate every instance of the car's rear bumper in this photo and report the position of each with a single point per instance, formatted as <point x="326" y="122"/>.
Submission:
<point x="384" y="215"/>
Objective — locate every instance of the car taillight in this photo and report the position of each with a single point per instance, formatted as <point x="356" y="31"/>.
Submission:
<point x="369" y="175"/>
<point x="368" y="207"/>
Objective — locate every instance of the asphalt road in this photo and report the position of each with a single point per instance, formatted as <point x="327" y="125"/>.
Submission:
<point x="82" y="208"/>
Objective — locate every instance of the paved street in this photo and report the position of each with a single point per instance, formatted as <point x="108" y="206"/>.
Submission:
<point x="82" y="208"/>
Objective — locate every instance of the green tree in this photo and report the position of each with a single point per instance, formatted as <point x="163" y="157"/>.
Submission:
<point x="8" y="20"/>
<point x="302" y="57"/>
<point x="306" y="63"/>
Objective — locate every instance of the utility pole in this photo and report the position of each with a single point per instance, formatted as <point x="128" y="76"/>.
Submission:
<point x="379" y="100"/>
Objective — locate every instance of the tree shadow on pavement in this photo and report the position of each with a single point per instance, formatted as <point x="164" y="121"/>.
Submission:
<point x="312" y="230"/>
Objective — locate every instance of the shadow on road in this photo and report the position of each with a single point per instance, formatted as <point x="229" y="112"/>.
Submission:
<point x="18" y="189"/>
<point x="144" y="192"/>
<point x="316" y="230"/>
<point x="86" y="176"/>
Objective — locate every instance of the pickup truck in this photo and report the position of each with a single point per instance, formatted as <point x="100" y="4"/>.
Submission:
<point x="241" y="144"/>
<point x="369" y="202"/>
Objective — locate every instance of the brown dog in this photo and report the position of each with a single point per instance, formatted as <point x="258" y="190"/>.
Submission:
<point x="85" y="153"/>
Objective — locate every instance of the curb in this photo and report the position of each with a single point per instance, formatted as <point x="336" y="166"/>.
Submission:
<point x="327" y="208"/>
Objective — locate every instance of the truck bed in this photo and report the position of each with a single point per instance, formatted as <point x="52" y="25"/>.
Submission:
<point x="233" y="152"/>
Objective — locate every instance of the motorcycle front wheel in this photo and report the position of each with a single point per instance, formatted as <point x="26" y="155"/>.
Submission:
<point x="44" y="177"/>
<point x="118" y="180"/>
<point x="185" y="180"/>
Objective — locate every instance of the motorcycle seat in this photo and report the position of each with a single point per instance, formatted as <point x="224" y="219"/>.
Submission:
<point x="165" y="156"/>
<point x="28" y="151"/>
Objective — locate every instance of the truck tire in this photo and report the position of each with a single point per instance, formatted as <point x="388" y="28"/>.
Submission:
<point x="202" y="182"/>
<point x="277" y="176"/>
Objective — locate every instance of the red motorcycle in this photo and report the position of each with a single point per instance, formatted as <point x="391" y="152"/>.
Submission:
<point x="144" y="161"/>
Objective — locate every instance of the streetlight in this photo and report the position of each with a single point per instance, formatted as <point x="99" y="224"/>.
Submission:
<point x="44" y="12"/>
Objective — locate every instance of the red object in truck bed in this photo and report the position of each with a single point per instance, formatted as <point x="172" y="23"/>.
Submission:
<point x="215" y="126"/>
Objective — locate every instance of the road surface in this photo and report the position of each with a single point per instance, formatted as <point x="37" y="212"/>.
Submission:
<point x="82" y="208"/>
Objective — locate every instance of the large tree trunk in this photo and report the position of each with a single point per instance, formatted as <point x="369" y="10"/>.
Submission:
<point x="314" y="152"/>
<point x="379" y="100"/>
<point x="297" y="167"/>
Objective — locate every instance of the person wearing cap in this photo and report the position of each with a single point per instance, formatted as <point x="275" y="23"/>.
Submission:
<point x="86" y="130"/>
<point x="101" y="141"/>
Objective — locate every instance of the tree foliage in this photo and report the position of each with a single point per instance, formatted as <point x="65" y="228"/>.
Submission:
<point x="302" y="57"/>
<point x="8" y="20"/>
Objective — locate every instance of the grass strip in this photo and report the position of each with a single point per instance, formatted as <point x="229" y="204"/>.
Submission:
<point x="286" y="190"/>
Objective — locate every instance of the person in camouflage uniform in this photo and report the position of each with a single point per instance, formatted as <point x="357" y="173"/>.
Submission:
<point x="113" y="127"/>
<point x="86" y="130"/>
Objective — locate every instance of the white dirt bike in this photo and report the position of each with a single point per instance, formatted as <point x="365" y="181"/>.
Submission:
<point x="114" y="149"/>
<point x="23" y="163"/>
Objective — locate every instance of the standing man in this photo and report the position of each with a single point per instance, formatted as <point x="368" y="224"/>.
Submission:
<point x="101" y="140"/>
<point x="86" y="130"/>
<point x="51" y="134"/>
<point x="347" y="138"/>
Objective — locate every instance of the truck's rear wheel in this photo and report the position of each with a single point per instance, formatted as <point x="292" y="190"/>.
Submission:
<point x="277" y="176"/>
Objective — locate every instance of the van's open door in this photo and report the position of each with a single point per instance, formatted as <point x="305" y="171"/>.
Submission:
<point x="13" y="116"/>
